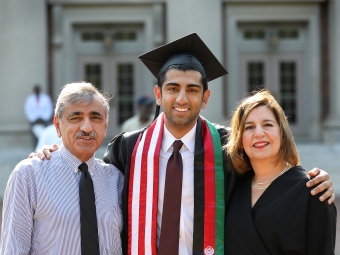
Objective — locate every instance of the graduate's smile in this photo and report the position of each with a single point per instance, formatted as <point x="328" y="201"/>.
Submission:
<point x="181" y="109"/>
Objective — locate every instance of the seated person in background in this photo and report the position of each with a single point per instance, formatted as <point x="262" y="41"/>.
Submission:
<point x="48" y="136"/>
<point x="271" y="211"/>
<point x="144" y="116"/>
<point x="45" y="207"/>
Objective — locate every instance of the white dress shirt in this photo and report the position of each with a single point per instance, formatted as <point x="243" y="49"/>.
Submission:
<point x="187" y="205"/>
<point x="35" y="109"/>
<point x="41" y="206"/>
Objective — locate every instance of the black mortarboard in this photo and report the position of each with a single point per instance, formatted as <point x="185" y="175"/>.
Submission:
<point x="189" y="51"/>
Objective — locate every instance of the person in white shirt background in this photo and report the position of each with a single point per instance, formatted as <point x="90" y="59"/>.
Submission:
<point x="144" y="116"/>
<point x="39" y="111"/>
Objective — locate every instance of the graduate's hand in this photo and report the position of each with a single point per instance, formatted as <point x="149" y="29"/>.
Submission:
<point x="322" y="179"/>
<point x="45" y="151"/>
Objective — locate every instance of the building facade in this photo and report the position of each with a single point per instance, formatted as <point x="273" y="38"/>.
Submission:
<point x="288" y="47"/>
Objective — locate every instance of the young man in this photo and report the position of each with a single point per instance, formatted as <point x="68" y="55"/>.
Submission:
<point x="204" y="185"/>
<point x="183" y="69"/>
<point x="44" y="211"/>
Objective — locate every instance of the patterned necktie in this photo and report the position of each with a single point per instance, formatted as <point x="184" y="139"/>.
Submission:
<point x="88" y="217"/>
<point x="169" y="238"/>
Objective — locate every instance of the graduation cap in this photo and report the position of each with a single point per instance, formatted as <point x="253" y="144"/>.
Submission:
<point x="189" y="51"/>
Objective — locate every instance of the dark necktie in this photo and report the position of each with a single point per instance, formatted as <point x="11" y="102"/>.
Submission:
<point x="88" y="217"/>
<point x="169" y="238"/>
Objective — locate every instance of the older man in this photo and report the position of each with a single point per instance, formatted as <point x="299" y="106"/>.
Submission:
<point x="44" y="211"/>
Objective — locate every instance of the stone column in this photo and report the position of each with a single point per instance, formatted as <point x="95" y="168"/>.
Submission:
<point x="331" y="131"/>
<point x="23" y="63"/>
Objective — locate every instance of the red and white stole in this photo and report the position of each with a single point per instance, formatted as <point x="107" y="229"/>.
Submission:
<point x="143" y="192"/>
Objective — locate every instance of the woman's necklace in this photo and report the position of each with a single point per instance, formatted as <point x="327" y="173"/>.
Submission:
<point x="264" y="185"/>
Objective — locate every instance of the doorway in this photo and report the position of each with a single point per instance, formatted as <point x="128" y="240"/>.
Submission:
<point x="282" y="74"/>
<point x="107" y="56"/>
<point x="115" y="75"/>
<point x="272" y="56"/>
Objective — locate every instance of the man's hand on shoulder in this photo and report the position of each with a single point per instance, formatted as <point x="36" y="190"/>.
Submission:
<point x="44" y="152"/>
<point x="322" y="179"/>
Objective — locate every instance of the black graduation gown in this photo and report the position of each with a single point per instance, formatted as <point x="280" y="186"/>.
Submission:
<point x="286" y="219"/>
<point x="119" y="152"/>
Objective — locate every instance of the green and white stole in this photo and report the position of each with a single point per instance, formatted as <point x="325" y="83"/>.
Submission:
<point x="209" y="203"/>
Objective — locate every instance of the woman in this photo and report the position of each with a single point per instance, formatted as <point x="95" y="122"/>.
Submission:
<point x="272" y="211"/>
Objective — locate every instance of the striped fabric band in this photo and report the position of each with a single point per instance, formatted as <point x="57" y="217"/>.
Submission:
<point x="142" y="204"/>
<point x="214" y="190"/>
<point x="143" y="199"/>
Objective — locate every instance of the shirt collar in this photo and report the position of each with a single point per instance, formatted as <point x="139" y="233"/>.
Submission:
<point x="74" y="162"/>
<point x="188" y="139"/>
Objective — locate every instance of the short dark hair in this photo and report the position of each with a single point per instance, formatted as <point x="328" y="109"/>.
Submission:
<point x="183" y="68"/>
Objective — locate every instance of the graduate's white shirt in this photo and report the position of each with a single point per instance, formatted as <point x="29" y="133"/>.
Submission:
<point x="187" y="205"/>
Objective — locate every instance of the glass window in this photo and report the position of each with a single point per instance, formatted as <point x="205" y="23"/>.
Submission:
<point x="288" y="33"/>
<point x="117" y="36"/>
<point x="288" y="89"/>
<point x="125" y="95"/>
<point x="93" y="74"/>
<point x="92" y="36"/>
<point x="125" y="36"/>
<point x="255" y="74"/>
<point x="251" y="34"/>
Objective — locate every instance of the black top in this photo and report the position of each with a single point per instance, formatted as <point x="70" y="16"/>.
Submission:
<point x="286" y="219"/>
